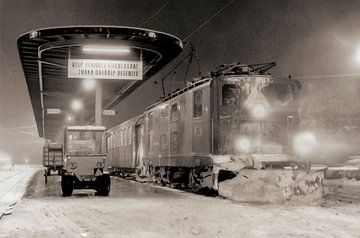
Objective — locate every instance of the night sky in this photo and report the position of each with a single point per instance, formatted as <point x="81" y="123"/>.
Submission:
<point x="312" y="38"/>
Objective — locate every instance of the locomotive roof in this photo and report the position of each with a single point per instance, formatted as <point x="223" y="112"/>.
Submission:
<point x="235" y="69"/>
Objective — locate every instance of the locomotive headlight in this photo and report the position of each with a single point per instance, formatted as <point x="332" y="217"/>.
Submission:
<point x="242" y="145"/>
<point x="305" y="143"/>
<point x="73" y="165"/>
<point x="100" y="165"/>
<point x="259" y="110"/>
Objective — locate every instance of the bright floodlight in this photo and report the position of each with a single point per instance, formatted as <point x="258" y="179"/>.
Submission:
<point x="98" y="49"/>
<point x="69" y="118"/>
<point x="76" y="105"/>
<point x="305" y="143"/>
<point x="258" y="111"/>
<point x="242" y="144"/>
<point x="89" y="84"/>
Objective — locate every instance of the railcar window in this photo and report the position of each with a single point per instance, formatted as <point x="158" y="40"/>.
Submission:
<point x="117" y="139"/>
<point x="229" y="95"/>
<point x="197" y="105"/>
<point x="150" y="124"/>
<point x="125" y="136"/>
<point x="175" y="113"/>
<point x="122" y="137"/>
<point x="129" y="136"/>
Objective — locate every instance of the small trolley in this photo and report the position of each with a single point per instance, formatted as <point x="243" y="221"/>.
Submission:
<point x="52" y="159"/>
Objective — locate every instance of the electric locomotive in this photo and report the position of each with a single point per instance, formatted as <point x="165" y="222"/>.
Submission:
<point x="238" y="119"/>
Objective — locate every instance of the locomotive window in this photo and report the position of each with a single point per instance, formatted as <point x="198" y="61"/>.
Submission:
<point x="279" y="92"/>
<point x="150" y="123"/>
<point x="197" y="106"/>
<point x="174" y="113"/>
<point x="165" y="111"/>
<point x="229" y="95"/>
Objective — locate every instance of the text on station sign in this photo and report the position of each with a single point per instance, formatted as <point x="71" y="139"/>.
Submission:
<point x="105" y="69"/>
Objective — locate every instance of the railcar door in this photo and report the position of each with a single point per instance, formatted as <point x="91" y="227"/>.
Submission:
<point x="139" y="146"/>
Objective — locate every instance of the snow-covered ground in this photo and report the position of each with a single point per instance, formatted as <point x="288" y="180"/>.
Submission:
<point x="142" y="210"/>
<point x="13" y="183"/>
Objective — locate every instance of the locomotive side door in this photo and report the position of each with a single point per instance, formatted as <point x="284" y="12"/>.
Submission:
<point x="201" y="121"/>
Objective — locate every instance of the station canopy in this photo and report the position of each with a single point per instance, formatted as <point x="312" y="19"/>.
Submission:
<point x="46" y="55"/>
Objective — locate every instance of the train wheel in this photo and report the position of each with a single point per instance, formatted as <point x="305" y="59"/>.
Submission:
<point x="103" y="185"/>
<point x="194" y="182"/>
<point x="67" y="185"/>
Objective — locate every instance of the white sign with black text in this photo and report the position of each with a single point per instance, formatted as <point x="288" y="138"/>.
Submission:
<point x="105" y="69"/>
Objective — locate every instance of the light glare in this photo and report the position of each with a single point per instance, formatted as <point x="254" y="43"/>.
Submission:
<point x="89" y="84"/>
<point x="76" y="105"/>
<point x="242" y="144"/>
<point x="305" y="143"/>
<point x="258" y="111"/>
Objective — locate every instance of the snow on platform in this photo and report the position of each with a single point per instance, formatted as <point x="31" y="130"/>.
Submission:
<point x="13" y="183"/>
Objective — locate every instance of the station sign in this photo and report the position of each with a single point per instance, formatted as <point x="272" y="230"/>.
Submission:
<point x="53" y="111"/>
<point x="105" y="69"/>
<point x="109" y="112"/>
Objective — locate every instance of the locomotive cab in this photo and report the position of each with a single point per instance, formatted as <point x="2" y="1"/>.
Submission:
<point x="254" y="115"/>
<point x="85" y="160"/>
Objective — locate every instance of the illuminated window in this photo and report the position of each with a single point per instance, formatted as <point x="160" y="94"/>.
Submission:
<point x="197" y="105"/>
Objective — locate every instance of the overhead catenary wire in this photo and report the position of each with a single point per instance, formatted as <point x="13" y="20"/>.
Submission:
<point x="193" y="53"/>
<point x="208" y="20"/>
<point x="155" y="14"/>
<point x="327" y="76"/>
